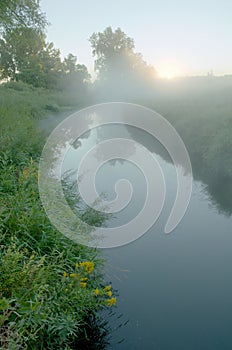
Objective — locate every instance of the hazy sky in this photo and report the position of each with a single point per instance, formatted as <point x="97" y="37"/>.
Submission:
<point x="178" y="37"/>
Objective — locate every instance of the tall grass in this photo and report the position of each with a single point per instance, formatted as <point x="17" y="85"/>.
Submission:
<point x="50" y="288"/>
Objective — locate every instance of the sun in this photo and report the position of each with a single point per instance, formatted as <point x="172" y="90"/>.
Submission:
<point x="167" y="75"/>
<point x="168" y="71"/>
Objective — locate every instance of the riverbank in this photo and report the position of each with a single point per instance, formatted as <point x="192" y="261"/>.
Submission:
<point x="50" y="288"/>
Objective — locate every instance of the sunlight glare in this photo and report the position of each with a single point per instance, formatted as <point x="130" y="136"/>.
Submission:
<point x="168" y="71"/>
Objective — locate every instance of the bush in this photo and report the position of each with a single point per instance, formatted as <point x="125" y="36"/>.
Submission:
<point x="42" y="306"/>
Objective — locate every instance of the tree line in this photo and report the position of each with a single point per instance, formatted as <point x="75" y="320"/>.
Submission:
<point x="25" y="54"/>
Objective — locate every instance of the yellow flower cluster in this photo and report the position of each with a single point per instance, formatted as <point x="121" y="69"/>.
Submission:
<point x="107" y="288"/>
<point x="79" y="278"/>
<point x="82" y="268"/>
<point x="84" y="279"/>
<point x="87" y="265"/>
<point x="106" y="292"/>
<point x="111" y="301"/>
<point x="73" y="275"/>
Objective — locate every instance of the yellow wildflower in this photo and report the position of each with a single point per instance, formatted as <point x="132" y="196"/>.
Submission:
<point x="109" y="293"/>
<point x="73" y="275"/>
<point x="111" y="301"/>
<point x="107" y="288"/>
<point x="65" y="274"/>
<point x="88" y="265"/>
<point x="66" y="289"/>
<point x="70" y="285"/>
<point x="77" y="265"/>
<point x="84" y="279"/>
<point x="96" y="291"/>
<point x="83" y="284"/>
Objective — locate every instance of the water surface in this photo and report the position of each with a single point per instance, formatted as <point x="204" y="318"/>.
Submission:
<point x="176" y="289"/>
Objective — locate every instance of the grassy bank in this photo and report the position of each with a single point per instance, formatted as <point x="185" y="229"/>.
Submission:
<point x="50" y="288"/>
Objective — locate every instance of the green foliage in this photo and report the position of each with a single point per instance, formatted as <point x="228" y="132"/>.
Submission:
<point x="20" y="106"/>
<point x="108" y="47"/>
<point x="27" y="57"/>
<point x="41" y="305"/>
<point x="47" y="283"/>
<point x="74" y="78"/>
<point x="47" y="292"/>
<point x="26" y="13"/>
<point x="115" y="57"/>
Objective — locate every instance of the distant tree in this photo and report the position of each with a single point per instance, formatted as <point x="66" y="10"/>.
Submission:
<point x="110" y="48"/>
<point x="26" y="13"/>
<point x="75" y="77"/>
<point x="70" y="64"/>
<point x="115" y="56"/>
<point x="75" y="71"/>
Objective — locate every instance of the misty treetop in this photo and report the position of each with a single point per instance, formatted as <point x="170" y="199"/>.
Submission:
<point x="115" y="58"/>
<point x="26" y="56"/>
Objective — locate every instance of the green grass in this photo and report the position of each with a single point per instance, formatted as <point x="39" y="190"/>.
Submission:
<point x="41" y="305"/>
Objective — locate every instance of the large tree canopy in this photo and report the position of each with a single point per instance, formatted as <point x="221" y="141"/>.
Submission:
<point x="114" y="53"/>
<point x="110" y="49"/>
<point x="117" y="65"/>
<point x="26" y="13"/>
<point x="25" y="55"/>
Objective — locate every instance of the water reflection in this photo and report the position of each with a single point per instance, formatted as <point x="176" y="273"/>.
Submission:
<point x="177" y="289"/>
<point x="216" y="185"/>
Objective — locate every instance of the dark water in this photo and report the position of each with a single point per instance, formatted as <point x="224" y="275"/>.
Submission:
<point x="175" y="290"/>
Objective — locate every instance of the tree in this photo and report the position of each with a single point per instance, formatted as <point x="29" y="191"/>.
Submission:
<point x="74" y="77"/>
<point x="115" y="56"/>
<point x="110" y="49"/>
<point x="22" y="25"/>
<point x="26" y="56"/>
<point x="70" y="64"/>
<point x="119" y="68"/>
<point x="23" y="13"/>
<point x="74" y="71"/>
